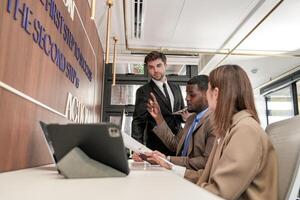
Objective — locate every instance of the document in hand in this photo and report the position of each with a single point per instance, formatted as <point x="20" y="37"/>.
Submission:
<point x="136" y="146"/>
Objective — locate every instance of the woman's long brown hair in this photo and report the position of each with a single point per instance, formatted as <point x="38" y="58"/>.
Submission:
<point x="235" y="94"/>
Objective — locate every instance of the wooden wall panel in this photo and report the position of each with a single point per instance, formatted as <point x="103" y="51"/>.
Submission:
<point x="26" y="68"/>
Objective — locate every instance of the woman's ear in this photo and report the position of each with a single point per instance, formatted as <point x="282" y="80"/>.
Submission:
<point x="216" y="93"/>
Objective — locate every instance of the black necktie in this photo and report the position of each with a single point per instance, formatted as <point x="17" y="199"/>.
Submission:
<point x="167" y="95"/>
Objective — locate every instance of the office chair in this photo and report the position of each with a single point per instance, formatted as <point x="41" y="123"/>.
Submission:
<point x="285" y="136"/>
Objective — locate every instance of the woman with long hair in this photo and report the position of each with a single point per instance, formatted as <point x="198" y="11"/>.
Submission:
<point x="243" y="162"/>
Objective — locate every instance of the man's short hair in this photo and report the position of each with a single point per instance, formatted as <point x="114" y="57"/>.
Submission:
<point x="153" y="56"/>
<point x="200" y="80"/>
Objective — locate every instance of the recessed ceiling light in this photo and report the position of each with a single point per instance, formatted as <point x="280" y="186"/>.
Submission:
<point x="254" y="70"/>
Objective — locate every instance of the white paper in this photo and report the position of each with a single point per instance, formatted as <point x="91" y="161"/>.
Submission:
<point x="134" y="145"/>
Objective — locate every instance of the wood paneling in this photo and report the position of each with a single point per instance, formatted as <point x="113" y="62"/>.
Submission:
<point x="25" y="67"/>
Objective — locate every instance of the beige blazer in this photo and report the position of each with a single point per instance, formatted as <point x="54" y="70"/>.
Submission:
<point x="242" y="165"/>
<point x="199" y="148"/>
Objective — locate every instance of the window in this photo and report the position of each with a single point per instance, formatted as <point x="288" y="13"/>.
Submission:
<point x="280" y="105"/>
<point x="282" y="100"/>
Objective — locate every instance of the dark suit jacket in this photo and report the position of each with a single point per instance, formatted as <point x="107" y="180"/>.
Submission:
<point x="200" y="144"/>
<point x="143" y="123"/>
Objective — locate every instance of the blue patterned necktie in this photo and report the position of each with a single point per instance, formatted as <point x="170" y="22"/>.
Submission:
<point x="188" y="137"/>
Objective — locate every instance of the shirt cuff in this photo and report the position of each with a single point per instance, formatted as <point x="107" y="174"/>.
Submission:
<point x="179" y="170"/>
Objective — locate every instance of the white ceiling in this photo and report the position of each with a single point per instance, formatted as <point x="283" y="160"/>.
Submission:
<point x="203" y="27"/>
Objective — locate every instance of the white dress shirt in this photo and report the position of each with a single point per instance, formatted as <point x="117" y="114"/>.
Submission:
<point x="159" y="84"/>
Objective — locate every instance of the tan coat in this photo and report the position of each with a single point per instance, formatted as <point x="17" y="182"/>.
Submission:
<point x="200" y="147"/>
<point x="243" y="164"/>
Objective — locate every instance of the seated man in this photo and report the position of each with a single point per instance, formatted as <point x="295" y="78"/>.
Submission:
<point x="194" y="142"/>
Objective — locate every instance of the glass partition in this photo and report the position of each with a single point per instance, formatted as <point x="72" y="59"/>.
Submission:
<point x="177" y="70"/>
<point x="183" y="92"/>
<point x="123" y="94"/>
<point x="117" y="120"/>
<point x="129" y="68"/>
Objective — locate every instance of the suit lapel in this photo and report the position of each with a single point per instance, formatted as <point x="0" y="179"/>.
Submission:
<point x="187" y="128"/>
<point x="202" y="120"/>
<point x="180" y="144"/>
<point x="223" y="141"/>
<point x="198" y="125"/>
<point x="158" y="93"/>
<point x="218" y="153"/>
<point x="208" y="167"/>
<point x="173" y="89"/>
<point x="191" y="146"/>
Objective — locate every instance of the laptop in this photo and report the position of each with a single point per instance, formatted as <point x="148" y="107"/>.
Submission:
<point x="100" y="142"/>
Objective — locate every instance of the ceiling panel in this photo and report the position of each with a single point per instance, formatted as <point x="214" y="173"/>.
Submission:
<point x="190" y="24"/>
<point x="280" y="31"/>
<point x="196" y="25"/>
<point x="208" y="24"/>
<point x="267" y="68"/>
<point x="161" y="19"/>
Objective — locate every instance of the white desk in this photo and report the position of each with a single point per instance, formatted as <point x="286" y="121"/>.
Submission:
<point x="44" y="183"/>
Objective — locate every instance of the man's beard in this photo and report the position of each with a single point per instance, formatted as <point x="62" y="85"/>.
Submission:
<point x="159" y="77"/>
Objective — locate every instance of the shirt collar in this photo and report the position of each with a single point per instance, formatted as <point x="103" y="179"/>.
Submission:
<point x="159" y="83"/>
<point x="201" y="114"/>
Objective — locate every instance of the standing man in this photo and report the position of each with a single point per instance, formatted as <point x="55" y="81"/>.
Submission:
<point x="169" y="98"/>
